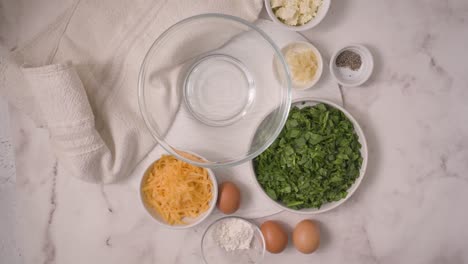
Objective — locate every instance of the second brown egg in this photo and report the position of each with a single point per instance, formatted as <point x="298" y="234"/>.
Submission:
<point x="276" y="238"/>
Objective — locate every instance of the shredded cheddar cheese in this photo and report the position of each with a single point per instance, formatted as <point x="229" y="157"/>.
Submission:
<point x="176" y="189"/>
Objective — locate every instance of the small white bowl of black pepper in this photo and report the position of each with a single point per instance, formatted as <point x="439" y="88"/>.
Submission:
<point x="352" y="65"/>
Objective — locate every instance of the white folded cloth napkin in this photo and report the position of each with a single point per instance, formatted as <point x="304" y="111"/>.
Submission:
<point x="254" y="203"/>
<point x="89" y="105"/>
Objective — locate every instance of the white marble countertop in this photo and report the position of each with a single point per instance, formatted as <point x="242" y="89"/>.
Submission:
<point x="411" y="207"/>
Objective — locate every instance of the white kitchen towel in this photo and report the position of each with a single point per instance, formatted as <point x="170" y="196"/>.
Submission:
<point x="90" y="104"/>
<point x="254" y="203"/>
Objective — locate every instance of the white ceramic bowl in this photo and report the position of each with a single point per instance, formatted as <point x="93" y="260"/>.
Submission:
<point x="362" y="139"/>
<point x="321" y="13"/>
<point x="191" y="222"/>
<point x="348" y="77"/>
<point x="319" y="71"/>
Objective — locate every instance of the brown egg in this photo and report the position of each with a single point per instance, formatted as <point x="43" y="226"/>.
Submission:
<point x="276" y="238"/>
<point x="228" y="198"/>
<point x="306" y="236"/>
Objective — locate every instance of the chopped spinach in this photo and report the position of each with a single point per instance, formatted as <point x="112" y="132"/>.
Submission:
<point x="314" y="160"/>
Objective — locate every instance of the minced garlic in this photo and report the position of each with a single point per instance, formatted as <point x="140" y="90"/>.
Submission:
<point x="302" y="63"/>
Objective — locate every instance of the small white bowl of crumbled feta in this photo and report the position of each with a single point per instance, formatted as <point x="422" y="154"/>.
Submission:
<point x="297" y="15"/>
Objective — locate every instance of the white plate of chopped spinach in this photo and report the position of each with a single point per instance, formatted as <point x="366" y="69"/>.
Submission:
<point x="317" y="161"/>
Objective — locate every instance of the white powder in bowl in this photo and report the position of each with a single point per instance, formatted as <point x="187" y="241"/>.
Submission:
<point x="232" y="234"/>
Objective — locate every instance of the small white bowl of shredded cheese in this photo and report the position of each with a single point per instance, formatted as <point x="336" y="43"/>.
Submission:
<point x="297" y="15"/>
<point x="171" y="189"/>
<point x="305" y="64"/>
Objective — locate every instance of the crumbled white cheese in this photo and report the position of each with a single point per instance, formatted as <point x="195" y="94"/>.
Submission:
<point x="295" y="12"/>
<point x="276" y="3"/>
<point x="304" y="7"/>
<point x="291" y="3"/>
<point x="286" y="13"/>
<point x="293" y="20"/>
<point x="304" y="19"/>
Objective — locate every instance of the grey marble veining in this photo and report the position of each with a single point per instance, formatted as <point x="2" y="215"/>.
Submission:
<point x="8" y="246"/>
<point x="410" y="208"/>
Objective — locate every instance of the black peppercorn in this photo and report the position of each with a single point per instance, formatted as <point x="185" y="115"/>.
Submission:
<point x="349" y="59"/>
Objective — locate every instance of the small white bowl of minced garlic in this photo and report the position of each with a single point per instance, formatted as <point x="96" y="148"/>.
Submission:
<point x="304" y="62"/>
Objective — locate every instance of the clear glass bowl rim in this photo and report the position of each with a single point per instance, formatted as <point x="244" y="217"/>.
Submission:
<point x="211" y="164"/>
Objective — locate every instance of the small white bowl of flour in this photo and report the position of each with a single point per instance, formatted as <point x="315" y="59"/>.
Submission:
<point x="232" y="239"/>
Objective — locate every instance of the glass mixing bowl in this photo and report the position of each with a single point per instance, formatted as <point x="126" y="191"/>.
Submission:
<point x="207" y="83"/>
